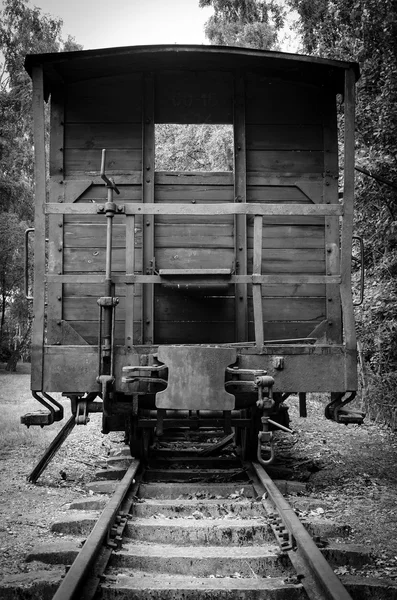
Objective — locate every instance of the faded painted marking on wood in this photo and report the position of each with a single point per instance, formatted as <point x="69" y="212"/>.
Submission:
<point x="194" y="97"/>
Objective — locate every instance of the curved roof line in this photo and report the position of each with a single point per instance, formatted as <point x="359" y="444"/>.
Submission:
<point x="58" y="57"/>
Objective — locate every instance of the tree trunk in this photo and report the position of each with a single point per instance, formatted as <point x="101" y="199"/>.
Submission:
<point x="16" y="355"/>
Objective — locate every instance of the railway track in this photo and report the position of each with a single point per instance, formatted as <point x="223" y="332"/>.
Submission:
<point x="194" y="526"/>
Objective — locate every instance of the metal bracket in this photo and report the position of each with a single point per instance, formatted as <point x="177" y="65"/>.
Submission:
<point x="82" y="417"/>
<point x="265" y="402"/>
<point x="106" y="301"/>
<point x="285" y="539"/>
<point x="41" y="418"/>
<point x="106" y="382"/>
<point x="109" y="181"/>
<point x="196" y="378"/>
<point x="336" y="412"/>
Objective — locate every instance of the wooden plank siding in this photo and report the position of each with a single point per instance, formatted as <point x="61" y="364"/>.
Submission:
<point x="100" y="113"/>
<point x="286" y="137"/>
<point x="285" y="141"/>
<point x="185" y="242"/>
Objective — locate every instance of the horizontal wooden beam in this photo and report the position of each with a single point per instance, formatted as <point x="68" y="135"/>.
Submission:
<point x="133" y="178"/>
<point x="332" y="210"/>
<point x="271" y="279"/>
<point x="190" y="272"/>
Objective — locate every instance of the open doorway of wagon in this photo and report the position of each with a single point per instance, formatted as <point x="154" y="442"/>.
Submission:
<point x="194" y="165"/>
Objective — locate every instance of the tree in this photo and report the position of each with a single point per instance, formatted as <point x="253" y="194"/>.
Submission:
<point x="194" y="147"/>
<point x="247" y="23"/>
<point x="23" y="30"/>
<point x="366" y="31"/>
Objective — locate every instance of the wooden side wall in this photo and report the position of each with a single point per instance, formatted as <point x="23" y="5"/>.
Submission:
<point x="87" y="117"/>
<point x="286" y="164"/>
<point x="194" y="243"/>
<point x="291" y="157"/>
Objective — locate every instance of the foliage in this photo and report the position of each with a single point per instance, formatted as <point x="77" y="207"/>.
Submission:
<point x="14" y="310"/>
<point x="366" y="31"/>
<point x="23" y="30"/>
<point x="247" y="23"/>
<point x="203" y="147"/>
<point x="194" y="147"/>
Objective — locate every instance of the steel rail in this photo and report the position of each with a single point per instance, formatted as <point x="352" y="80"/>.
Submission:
<point x="322" y="583"/>
<point x="75" y="577"/>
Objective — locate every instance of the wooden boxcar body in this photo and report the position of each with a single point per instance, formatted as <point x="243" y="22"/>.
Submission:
<point x="208" y="270"/>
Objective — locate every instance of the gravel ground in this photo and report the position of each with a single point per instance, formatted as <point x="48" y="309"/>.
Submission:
<point x="350" y="475"/>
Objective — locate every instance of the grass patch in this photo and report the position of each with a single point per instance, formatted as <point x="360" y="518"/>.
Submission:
<point x="16" y="400"/>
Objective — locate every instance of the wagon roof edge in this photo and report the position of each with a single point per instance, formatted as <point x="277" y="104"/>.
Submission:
<point x="68" y="66"/>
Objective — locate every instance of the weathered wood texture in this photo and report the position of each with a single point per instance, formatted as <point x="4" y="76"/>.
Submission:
<point x="40" y="235"/>
<point x="286" y="144"/>
<point x="194" y="97"/>
<point x="103" y="113"/>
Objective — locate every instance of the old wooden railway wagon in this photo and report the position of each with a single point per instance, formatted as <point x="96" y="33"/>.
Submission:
<point x="192" y="298"/>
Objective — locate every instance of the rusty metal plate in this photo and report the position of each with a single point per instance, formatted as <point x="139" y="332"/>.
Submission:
<point x="196" y="378"/>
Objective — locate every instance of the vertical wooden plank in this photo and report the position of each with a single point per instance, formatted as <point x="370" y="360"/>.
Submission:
<point x="148" y="151"/>
<point x="330" y="195"/>
<point x="240" y="195"/>
<point x="55" y="222"/>
<point x="347" y="234"/>
<point x="256" y="287"/>
<point x="39" y="243"/>
<point x="130" y="288"/>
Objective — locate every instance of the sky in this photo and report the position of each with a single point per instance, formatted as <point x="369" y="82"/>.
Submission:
<point x="110" y="23"/>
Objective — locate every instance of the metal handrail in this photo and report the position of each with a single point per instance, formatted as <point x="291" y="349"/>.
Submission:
<point x="26" y="263"/>
<point x="361" y="243"/>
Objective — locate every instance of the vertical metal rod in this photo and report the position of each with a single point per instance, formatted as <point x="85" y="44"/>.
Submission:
<point x="257" y="287"/>
<point x="108" y="310"/>
<point x="130" y="288"/>
<point x="100" y="342"/>
<point x="109" y="240"/>
<point x="113" y="316"/>
<point x="52" y="450"/>
<point x="302" y="404"/>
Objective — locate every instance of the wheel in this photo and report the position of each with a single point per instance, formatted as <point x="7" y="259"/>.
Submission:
<point x="247" y="437"/>
<point x="138" y="439"/>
